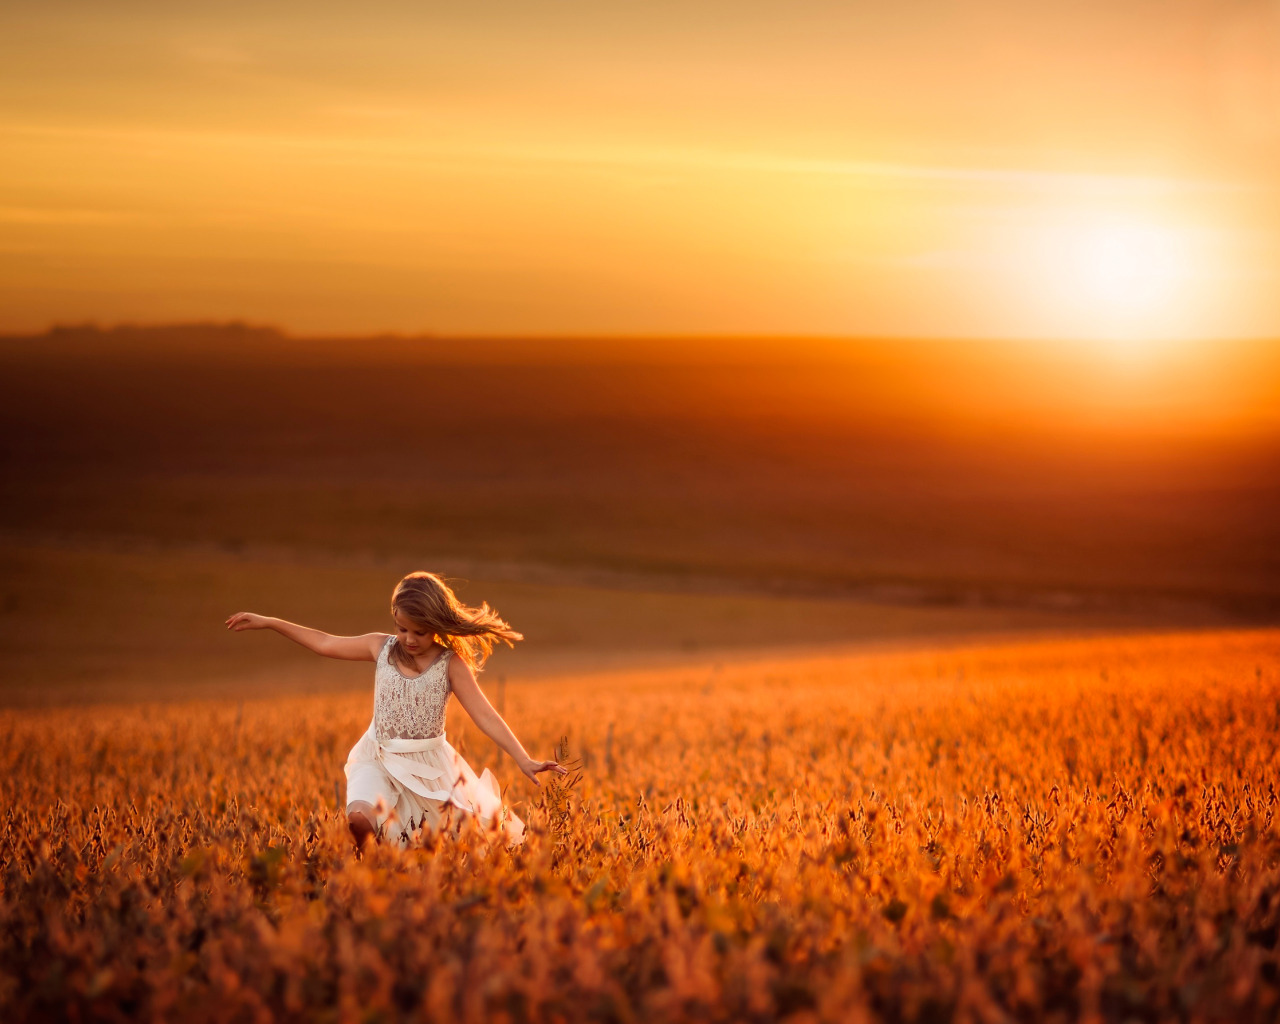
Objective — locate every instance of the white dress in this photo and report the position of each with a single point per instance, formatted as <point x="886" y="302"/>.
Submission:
<point x="405" y="767"/>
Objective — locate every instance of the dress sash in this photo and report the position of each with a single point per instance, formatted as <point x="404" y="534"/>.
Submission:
<point x="421" y="777"/>
<point x="442" y="775"/>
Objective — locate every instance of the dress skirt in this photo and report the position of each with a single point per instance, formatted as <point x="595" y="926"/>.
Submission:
<point x="411" y="782"/>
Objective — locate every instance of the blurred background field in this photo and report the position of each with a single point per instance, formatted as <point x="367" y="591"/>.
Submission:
<point x="623" y="501"/>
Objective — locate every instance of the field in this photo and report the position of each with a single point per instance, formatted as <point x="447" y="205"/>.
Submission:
<point x="906" y="681"/>
<point x="621" y="501"/>
<point x="928" y="474"/>
<point x="1054" y="830"/>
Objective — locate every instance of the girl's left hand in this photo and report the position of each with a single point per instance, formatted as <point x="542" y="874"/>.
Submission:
<point x="531" y="768"/>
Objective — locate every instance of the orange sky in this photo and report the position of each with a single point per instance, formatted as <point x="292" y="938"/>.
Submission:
<point x="1105" y="170"/>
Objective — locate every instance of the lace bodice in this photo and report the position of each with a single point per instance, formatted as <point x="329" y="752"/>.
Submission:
<point x="409" y="709"/>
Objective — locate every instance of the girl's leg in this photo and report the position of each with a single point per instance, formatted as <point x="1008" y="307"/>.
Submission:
<point x="369" y="798"/>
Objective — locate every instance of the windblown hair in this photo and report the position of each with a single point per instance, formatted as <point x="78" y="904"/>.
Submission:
<point x="426" y="600"/>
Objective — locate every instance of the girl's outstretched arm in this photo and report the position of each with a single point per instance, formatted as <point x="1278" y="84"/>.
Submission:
<point x="348" y="648"/>
<point x="463" y="683"/>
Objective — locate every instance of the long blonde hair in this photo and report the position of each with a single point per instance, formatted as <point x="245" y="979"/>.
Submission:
<point x="426" y="600"/>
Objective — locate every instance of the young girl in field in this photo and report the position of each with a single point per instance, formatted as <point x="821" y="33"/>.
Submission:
<point x="403" y="774"/>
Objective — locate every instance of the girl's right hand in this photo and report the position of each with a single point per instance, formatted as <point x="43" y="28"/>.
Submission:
<point x="246" y="620"/>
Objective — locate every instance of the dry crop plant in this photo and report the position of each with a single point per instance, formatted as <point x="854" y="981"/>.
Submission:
<point x="1055" y="831"/>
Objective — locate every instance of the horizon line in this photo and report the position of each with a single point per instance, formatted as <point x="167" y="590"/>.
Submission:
<point x="290" y="333"/>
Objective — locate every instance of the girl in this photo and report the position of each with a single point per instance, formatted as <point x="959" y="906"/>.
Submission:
<point x="403" y="772"/>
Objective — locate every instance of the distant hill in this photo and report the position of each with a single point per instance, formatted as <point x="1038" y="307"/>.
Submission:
<point x="1046" y="386"/>
<point x="921" y="471"/>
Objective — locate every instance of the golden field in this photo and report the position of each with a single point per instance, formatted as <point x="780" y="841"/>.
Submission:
<point x="1036" y="830"/>
<point x="908" y="681"/>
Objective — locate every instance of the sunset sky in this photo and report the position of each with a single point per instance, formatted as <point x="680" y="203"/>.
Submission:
<point x="1105" y="171"/>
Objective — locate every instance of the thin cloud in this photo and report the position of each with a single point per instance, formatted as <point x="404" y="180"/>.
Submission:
<point x="45" y="216"/>
<point x="400" y="150"/>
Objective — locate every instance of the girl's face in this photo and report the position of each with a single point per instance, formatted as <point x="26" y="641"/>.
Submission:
<point x="412" y="636"/>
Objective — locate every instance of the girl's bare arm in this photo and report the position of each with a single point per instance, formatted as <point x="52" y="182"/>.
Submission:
<point x="347" y="648"/>
<point x="463" y="683"/>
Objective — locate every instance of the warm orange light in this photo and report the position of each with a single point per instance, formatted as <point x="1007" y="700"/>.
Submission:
<point x="815" y="174"/>
<point x="1130" y="267"/>
<point x="1130" y="282"/>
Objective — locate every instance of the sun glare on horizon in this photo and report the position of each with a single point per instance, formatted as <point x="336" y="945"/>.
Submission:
<point x="1132" y="271"/>
<point x="1129" y="283"/>
<point x="1131" y="267"/>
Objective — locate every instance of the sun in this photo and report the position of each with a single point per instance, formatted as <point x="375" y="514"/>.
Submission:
<point x="1129" y="267"/>
<point x="1125" y="278"/>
